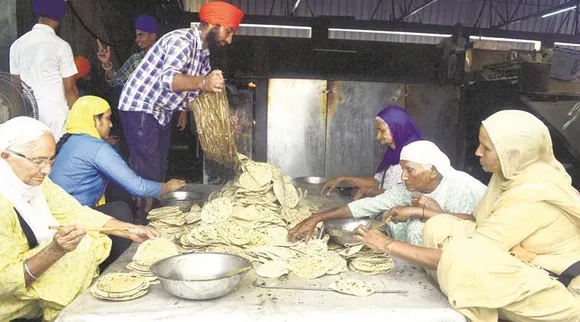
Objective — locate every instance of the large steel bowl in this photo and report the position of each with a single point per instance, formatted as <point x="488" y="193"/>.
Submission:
<point x="177" y="274"/>
<point x="182" y="199"/>
<point x="341" y="231"/>
<point x="309" y="180"/>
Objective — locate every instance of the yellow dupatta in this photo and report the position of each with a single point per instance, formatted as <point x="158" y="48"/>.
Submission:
<point x="81" y="119"/>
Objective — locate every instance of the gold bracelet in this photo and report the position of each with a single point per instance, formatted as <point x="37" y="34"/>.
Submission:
<point x="28" y="270"/>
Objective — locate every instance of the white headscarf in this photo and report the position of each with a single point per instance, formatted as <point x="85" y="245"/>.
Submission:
<point x="427" y="153"/>
<point x="28" y="200"/>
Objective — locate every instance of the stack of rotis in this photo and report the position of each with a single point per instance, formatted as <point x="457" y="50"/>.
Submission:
<point x="120" y="287"/>
<point x="166" y="220"/>
<point x="148" y="253"/>
<point x="215" y="132"/>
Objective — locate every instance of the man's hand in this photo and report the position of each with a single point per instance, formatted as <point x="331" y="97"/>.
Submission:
<point x="104" y="54"/>
<point x="182" y="121"/>
<point x="214" y="82"/>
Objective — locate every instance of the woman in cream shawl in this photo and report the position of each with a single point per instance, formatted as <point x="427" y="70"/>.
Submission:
<point x="42" y="271"/>
<point x="519" y="260"/>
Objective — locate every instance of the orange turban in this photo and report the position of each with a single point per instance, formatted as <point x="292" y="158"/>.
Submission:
<point x="83" y="67"/>
<point x="221" y="13"/>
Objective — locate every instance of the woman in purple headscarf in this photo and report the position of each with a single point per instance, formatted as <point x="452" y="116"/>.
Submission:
<point x="395" y="129"/>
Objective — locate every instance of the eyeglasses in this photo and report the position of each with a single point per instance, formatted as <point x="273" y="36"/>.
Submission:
<point x="39" y="162"/>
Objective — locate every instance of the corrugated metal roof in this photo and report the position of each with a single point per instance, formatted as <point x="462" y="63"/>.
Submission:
<point x="441" y="12"/>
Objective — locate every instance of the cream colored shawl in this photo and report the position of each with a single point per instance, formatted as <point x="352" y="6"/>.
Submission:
<point x="530" y="172"/>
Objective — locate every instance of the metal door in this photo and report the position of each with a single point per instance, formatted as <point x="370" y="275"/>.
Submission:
<point x="297" y="126"/>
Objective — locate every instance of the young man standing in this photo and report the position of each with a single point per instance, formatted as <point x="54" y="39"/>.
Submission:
<point x="45" y="62"/>
<point x="146" y="29"/>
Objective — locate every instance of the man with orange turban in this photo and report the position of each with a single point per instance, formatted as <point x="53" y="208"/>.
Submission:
<point x="170" y="76"/>
<point x="84" y="69"/>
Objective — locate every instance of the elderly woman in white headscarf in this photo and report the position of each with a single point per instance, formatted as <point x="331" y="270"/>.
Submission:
<point x="520" y="259"/>
<point x="427" y="173"/>
<point x="43" y="270"/>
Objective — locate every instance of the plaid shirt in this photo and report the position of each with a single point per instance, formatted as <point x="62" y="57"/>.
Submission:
<point x="148" y="89"/>
<point x="121" y="76"/>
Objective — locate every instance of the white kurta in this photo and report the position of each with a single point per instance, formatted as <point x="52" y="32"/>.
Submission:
<point x="452" y="196"/>
<point x="42" y="60"/>
<point x="391" y="177"/>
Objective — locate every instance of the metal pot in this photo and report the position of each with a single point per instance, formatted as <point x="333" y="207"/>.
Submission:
<point x="341" y="231"/>
<point x="177" y="274"/>
<point x="182" y="199"/>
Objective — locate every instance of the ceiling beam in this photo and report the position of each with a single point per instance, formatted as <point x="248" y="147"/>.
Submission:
<point x="419" y="8"/>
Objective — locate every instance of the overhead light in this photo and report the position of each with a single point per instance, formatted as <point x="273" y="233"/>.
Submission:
<point x="403" y="33"/>
<point x="566" y="44"/>
<point x="504" y="39"/>
<point x="253" y="25"/>
<point x="558" y="11"/>
<point x="537" y="44"/>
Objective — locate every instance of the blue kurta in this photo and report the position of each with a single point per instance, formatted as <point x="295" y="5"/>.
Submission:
<point x="84" y="164"/>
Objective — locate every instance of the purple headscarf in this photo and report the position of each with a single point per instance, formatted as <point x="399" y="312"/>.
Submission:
<point x="404" y="131"/>
<point x="53" y="9"/>
<point x="146" y="23"/>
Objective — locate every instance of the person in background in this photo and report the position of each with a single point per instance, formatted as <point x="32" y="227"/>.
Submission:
<point x="170" y="76"/>
<point x="85" y="162"/>
<point x="520" y="259"/>
<point x="146" y="29"/>
<point x="45" y="62"/>
<point x="83" y="66"/>
<point x="43" y="270"/>
<point x="430" y="182"/>
<point x="395" y="129"/>
<point x="453" y="51"/>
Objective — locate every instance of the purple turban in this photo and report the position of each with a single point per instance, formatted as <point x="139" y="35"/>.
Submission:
<point x="53" y="9"/>
<point x="404" y="131"/>
<point x="146" y="23"/>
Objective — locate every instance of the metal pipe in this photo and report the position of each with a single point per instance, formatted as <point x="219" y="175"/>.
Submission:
<point x="540" y="13"/>
<point x="419" y="8"/>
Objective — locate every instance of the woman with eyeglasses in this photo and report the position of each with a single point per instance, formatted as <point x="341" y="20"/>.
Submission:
<point x="48" y="257"/>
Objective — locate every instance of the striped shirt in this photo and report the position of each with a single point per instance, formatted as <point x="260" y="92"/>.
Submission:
<point x="148" y="89"/>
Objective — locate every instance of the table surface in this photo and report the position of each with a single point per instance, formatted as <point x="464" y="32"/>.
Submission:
<point x="422" y="302"/>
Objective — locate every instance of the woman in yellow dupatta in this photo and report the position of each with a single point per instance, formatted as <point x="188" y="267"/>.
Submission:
<point x="519" y="261"/>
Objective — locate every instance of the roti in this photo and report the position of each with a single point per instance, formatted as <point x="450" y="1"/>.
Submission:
<point x="352" y="287"/>
<point x="272" y="269"/>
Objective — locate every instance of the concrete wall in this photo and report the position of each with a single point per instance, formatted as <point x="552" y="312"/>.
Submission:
<point x="7" y="31"/>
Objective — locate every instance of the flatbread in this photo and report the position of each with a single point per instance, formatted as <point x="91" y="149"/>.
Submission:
<point x="216" y="211"/>
<point x="309" y="267"/>
<point x="153" y="250"/>
<point x="352" y="287"/>
<point x="273" y="269"/>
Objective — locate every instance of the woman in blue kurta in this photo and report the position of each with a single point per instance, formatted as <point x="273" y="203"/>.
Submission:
<point x="85" y="162"/>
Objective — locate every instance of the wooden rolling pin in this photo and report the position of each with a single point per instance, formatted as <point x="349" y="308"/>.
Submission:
<point x="132" y="230"/>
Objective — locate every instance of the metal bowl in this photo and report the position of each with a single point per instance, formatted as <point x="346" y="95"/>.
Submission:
<point x="309" y="180"/>
<point x="177" y="274"/>
<point x="182" y="199"/>
<point x="341" y="231"/>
